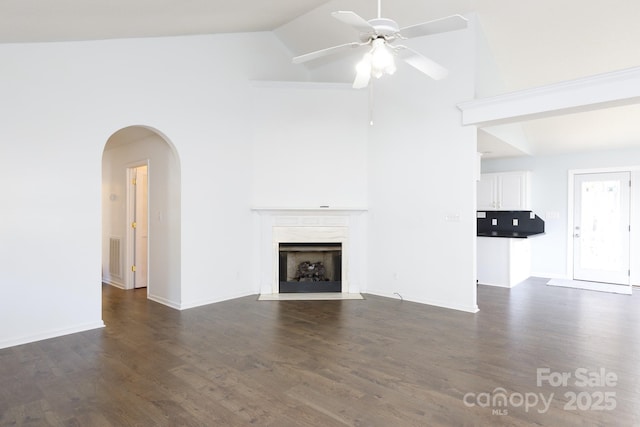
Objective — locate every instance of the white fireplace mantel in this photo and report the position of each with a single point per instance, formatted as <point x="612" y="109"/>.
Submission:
<point x="275" y="225"/>
<point x="321" y="209"/>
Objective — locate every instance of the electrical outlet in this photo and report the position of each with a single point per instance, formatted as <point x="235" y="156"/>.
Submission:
<point x="494" y="221"/>
<point x="515" y="222"/>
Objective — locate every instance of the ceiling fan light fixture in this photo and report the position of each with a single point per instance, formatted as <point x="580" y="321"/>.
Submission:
<point x="382" y="61"/>
<point x="391" y="68"/>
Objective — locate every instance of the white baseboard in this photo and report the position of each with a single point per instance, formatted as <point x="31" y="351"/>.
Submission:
<point x="114" y="284"/>
<point x="200" y="303"/>
<point x="51" y="334"/>
<point x="498" y="285"/>
<point x="436" y="303"/>
<point x="164" y="301"/>
<point x="544" y="275"/>
<point x="184" y="306"/>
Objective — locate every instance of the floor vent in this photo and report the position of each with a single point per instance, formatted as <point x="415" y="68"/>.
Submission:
<point x="114" y="257"/>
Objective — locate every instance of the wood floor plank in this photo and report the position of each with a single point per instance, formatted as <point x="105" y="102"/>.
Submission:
<point x="372" y="362"/>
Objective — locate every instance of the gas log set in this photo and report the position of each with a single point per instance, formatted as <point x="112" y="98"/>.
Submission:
<point x="311" y="272"/>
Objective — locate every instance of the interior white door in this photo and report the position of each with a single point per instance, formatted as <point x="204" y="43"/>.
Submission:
<point x="141" y="230"/>
<point x="601" y="227"/>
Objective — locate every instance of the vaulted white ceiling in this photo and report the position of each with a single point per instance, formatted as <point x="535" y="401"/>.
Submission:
<point x="46" y="20"/>
<point x="533" y="43"/>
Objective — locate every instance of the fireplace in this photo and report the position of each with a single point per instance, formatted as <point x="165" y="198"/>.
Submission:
<point x="336" y="231"/>
<point x="310" y="267"/>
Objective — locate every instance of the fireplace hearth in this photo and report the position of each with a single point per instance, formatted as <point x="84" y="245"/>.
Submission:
<point x="310" y="267"/>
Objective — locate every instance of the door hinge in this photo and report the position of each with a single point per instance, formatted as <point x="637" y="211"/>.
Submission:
<point x="133" y="268"/>
<point x="134" y="225"/>
<point x="133" y="181"/>
<point x="629" y="273"/>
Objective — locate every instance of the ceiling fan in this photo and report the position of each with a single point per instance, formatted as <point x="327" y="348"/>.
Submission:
<point x="379" y="34"/>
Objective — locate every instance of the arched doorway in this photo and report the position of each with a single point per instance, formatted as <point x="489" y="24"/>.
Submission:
<point x="141" y="217"/>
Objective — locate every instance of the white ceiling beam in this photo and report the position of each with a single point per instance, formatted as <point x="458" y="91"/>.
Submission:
<point x="585" y="94"/>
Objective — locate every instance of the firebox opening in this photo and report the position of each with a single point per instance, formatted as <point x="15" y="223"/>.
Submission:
<point x="310" y="267"/>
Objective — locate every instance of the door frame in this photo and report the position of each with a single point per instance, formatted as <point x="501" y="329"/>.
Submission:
<point x="130" y="215"/>
<point x="634" y="212"/>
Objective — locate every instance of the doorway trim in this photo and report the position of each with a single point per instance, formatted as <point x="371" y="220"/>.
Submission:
<point x="130" y="214"/>
<point x="634" y="207"/>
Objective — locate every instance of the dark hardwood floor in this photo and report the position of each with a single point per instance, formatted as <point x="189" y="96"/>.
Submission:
<point x="373" y="362"/>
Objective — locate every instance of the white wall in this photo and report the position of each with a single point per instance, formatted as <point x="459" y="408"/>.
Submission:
<point x="61" y="101"/>
<point x="310" y="146"/>
<point x="549" y="199"/>
<point x="489" y="80"/>
<point x="164" y="211"/>
<point x="422" y="180"/>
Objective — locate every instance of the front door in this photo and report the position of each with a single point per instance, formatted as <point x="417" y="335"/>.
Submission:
<point x="601" y="227"/>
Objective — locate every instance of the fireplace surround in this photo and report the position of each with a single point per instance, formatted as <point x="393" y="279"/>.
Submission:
<point x="304" y="226"/>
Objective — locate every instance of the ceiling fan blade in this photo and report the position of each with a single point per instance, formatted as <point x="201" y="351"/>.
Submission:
<point x="421" y="63"/>
<point x="442" y="25"/>
<point x="324" y="52"/>
<point x="363" y="73"/>
<point x="362" y="80"/>
<point x="354" y="20"/>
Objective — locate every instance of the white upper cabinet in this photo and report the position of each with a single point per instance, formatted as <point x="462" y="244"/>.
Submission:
<point x="487" y="192"/>
<point x="505" y="191"/>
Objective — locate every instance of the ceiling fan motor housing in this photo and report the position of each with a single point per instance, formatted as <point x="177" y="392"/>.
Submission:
<point x="384" y="27"/>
